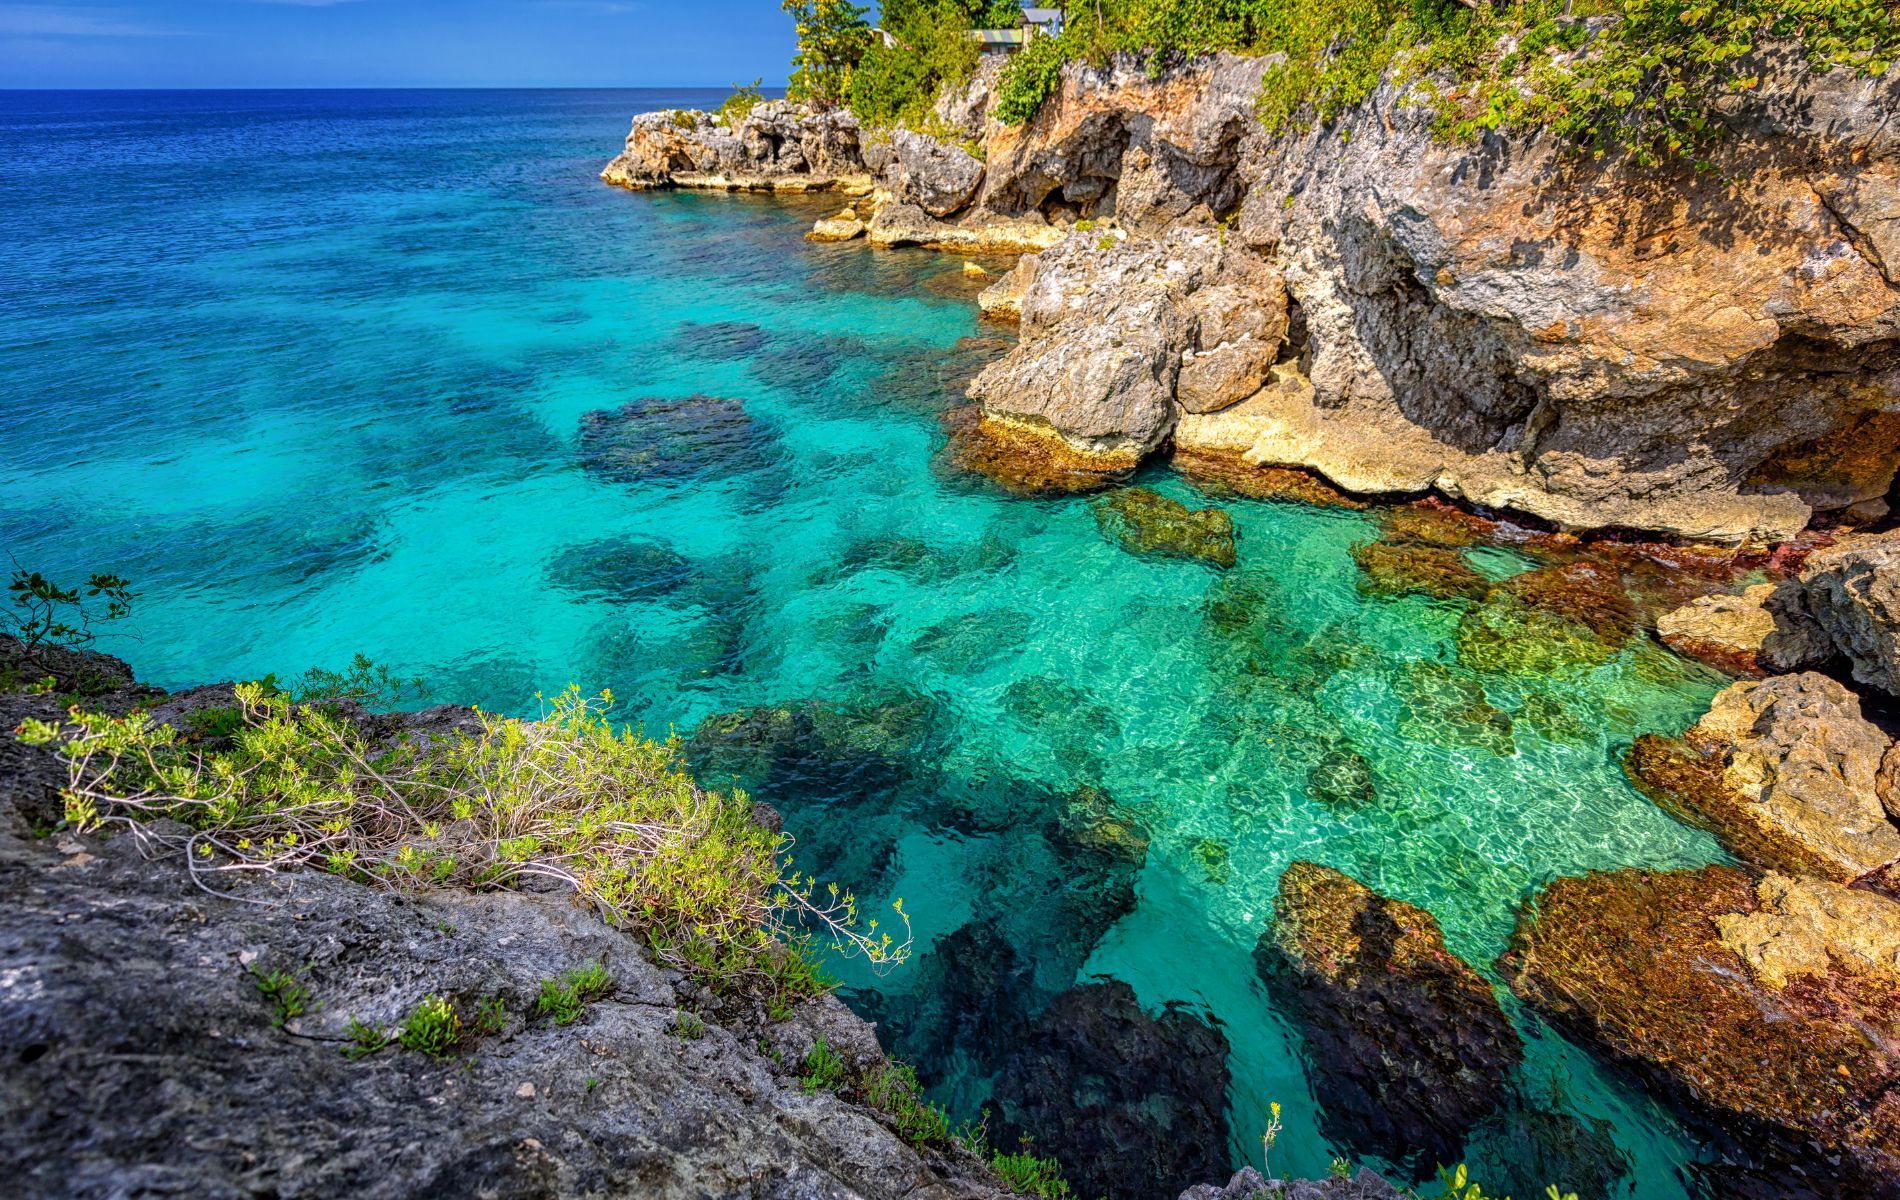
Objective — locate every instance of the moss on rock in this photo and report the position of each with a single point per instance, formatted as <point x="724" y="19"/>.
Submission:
<point x="1143" y="521"/>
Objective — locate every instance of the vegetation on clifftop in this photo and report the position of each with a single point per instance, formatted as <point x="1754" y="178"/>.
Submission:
<point x="570" y="798"/>
<point x="1612" y="75"/>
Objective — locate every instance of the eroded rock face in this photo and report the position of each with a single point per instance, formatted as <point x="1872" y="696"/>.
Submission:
<point x="1407" y="1045"/>
<point x="936" y="176"/>
<point x="1784" y="772"/>
<point x="1796" y="1067"/>
<point x="1132" y="1105"/>
<point x="1595" y="345"/>
<point x="1106" y="323"/>
<point x="779" y="147"/>
<point x="1852" y="591"/>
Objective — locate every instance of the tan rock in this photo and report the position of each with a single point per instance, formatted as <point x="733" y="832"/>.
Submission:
<point x="841" y="228"/>
<point x="1003" y="300"/>
<point x="1785" y="773"/>
<point x="1212" y="380"/>
<point x="1808" y="926"/>
<point x="1724" y="631"/>
<point x="1852" y="590"/>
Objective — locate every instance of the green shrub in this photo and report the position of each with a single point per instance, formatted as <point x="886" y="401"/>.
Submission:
<point x="893" y="1090"/>
<point x="832" y="37"/>
<point x="569" y="797"/>
<point x="491" y="1016"/>
<point x="1635" y="76"/>
<point x="370" y="684"/>
<point x="738" y="106"/>
<point x="684" y="119"/>
<point x="365" y="1040"/>
<point x="900" y="84"/>
<point x="46" y="613"/>
<point x="1027" y="1175"/>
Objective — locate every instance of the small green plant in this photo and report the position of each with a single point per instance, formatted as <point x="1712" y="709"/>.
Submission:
<point x="48" y="614"/>
<point x="562" y="1000"/>
<point x="682" y="119"/>
<point x="892" y="1089"/>
<point x="491" y="1016"/>
<point x="1340" y="1169"/>
<point x="689" y="1026"/>
<point x="1028" y="1175"/>
<point x="434" y="1028"/>
<point x="288" y="997"/>
<point x="1085" y="226"/>
<point x="365" y="1040"/>
<point x="738" y="106"/>
<point x="1108" y="242"/>
<point x="213" y="724"/>
<point x="824" y="1070"/>
<point x="1271" y="1136"/>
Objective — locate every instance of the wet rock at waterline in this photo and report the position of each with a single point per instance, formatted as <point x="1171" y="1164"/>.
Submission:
<point x="1143" y="521"/>
<point x="1797" y="1080"/>
<point x="1785" y="772"/>
<point x="1025" y="460"/>
<point x="675" y="439"/>
<point x="1406" y="1045"/>
<point x="1405" y="569"/>
<point x="1133" y="1105"/>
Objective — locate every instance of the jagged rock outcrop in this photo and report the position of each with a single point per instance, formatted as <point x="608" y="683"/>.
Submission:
<point x="1765" y="629"/>
<point x="1407" y="1045"/>
<point x="1784" y="772"/>
<point x="778" y="147"/>
<point x="143" y="1058"/>
<point x="936" y="176"/>
<point x="1851" y="592"/>
<point x="1742" y="1005"/>
<point x="1591" y="344"/>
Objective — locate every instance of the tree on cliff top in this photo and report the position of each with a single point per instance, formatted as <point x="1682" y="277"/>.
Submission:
<point x="832" y="36"/>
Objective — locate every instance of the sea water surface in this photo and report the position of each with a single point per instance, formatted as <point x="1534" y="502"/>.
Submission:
<point x="391" y="373"/>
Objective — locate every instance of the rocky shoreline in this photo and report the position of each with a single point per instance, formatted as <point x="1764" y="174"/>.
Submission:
<point x="1708" y="356"/>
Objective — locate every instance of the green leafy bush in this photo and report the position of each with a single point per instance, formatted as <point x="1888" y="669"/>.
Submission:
<point x="569" y="797"/>
<point x="832" y="37"/>
<point x="738" y="106"/>
<point x="824" y="1070"/>
<point x="434" y="1028"/>
<point x="898" y="85"/>
<point x="1636" y="76"/>
<point x="47" y="613"/>
<point x="563" y="1000"/>
<point x="288" y="997"/>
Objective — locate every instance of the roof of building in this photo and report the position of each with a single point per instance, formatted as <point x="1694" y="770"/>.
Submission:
<point x="1041" y="16"/>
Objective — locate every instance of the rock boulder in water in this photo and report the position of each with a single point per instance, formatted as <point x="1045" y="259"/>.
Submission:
<point x="1406" y="1045"/>
<point x="1852" y="591"/>
<point x="1785" y="772"/>
<point x="1143" y="521"/>
<point x="1674" y="975"/>
<point x="1132" y="1105"/>
<point x="673" y="439"/>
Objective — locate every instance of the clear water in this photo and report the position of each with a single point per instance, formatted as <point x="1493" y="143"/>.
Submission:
<point x="312" y="369"/>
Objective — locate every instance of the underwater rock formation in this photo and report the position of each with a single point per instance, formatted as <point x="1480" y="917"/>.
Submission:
<point x="1793" y="1069"/>
<point x="673" y="439"/>
<point x="1784" y="772"/>
<point x="1404" y="569"/>
<point x="1133" y="1106"/>
<point x="1143" y="521"/>
<point x="1406" y="1045"/>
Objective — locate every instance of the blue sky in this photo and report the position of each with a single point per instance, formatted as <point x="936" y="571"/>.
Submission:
<point x="391" y="43"/>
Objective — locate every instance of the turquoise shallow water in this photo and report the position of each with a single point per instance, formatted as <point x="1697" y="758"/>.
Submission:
<point x="329" y="373"/>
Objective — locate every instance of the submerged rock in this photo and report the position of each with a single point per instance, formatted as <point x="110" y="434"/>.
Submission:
<point x="1143" y="521"/>
<point x="1342" y="779"/>
<point x="1448" y="707"/>
<point x="1092" y="819"/>
<point x="667" y="439"/>
<point x="717" y="341"/>
<point x="1406" y="1045"/>
<point x="1217" y="473"/>
<point x="1784" y="772"/>
<point x="1550" y="621"/>
<point x="1401" y="570"/>
<point x="1727" y="632"/>
<point x="1801" y="1077"/>
<point x="1213" y="857"/>
<point x="624" y="570"/>
<point x="1520" y="1151"/>
<point x="1133" y="1106"/>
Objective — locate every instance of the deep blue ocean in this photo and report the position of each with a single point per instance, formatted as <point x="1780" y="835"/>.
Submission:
<point x="392" y="373"/>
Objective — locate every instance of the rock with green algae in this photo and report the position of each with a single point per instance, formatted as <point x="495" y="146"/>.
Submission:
<point x="1406" y="1045"/>
<point x="1092" y="819"/>
<point x="1802" y="1077"/>
<point x="1784" y="772"/>
<point x="1212" y="855"/>
<point x="1448" y="707"/>
<point x="1143" y="521"/>
<point x="875" y="735"/>
<point x="1342" y="779"/>
<point x="1405" y="569"/>
<point x="665" y="439"/>
<point x="1553" y="720"/>
<point x="1551" y="621"/>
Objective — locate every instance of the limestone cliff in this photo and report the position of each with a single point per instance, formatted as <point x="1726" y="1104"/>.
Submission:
<point x="1710" y="354"/>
